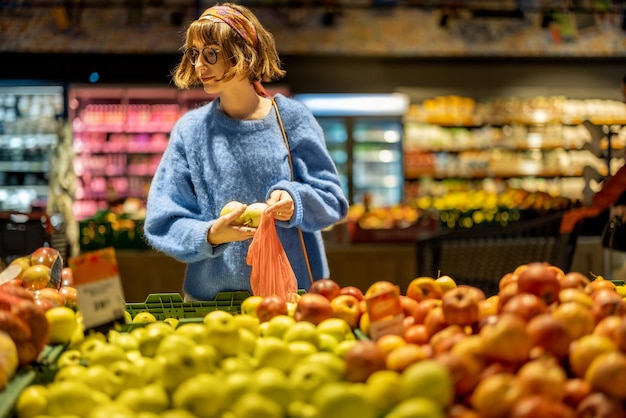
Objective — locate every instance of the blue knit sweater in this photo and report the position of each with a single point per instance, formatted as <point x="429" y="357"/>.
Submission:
<point x="212" y="159"/>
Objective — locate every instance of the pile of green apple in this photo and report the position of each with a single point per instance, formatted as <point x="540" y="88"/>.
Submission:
<point x="238" y="366"/>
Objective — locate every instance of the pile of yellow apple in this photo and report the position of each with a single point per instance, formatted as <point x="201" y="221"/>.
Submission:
<point x="548" y="344"/>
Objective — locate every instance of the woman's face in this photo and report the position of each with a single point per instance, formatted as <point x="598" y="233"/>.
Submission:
<point x="211" y="74"/>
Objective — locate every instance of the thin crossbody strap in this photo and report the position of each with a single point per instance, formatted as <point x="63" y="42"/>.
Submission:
<point x="282" y="129"/>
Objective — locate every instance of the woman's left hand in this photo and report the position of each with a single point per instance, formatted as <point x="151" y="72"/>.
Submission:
<point x="280" y="204"/>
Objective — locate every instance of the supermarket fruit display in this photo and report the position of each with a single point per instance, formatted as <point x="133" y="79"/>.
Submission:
<point x="547" y="341"/>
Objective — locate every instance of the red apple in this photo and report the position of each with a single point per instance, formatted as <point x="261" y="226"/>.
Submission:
<point x="362" y="359"/>
<point x="408" y="305"/>
<point x="539" y="405"/>
<point x="575" y="390"/>
<point x="378" y="287"/>
<point x="352" y="290"/>
<point x="424" y="288"/>
<point x="347" y="307"/>
<point x="526" y="305"/>
<point x="506" y="279"/>
<point x="465" y="371"/>
<point x="435" y="321"/>
<point x="325" y="287"/>
<point x="574" y="279"/>
<point x="416" y="334"/>
<point x="607" y="374"/>
<point x="506" y="339"/>
<point x="606" y="303"/>
<point x="550" y="333"/>
<point x="270" y="307"/>
<point x="445" y="339"/>
<point x="543" y="375"/>
<point x="50" y="294"/>
<point x="67" y="277"/>
<point x="540" y="280"/>
<point x="45" y="256"/>
<point x="314" y="308"/>
<point x="71" y="296"/>
<point x="423" y="308"/>
<point x="460" y="306"/>
<point x="600" y="405"/>
<point x="36" y="277"/>
<point x="495" y="395"/>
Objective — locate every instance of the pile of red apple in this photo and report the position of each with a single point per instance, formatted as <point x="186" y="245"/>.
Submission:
<point x="36" y="273"/>
<point x="548" y="344"/>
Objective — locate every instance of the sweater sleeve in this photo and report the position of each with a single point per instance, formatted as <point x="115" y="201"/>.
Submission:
<point x="174" y="222"/>
<point x="318" y="196"/>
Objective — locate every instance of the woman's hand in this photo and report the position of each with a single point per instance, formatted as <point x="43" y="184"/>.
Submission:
<point x="280" y="204"/>
<point x="225" y="230"/>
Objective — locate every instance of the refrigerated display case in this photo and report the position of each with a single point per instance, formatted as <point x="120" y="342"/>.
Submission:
<point x="31" y="116"/>
<point x="364" y="134"/>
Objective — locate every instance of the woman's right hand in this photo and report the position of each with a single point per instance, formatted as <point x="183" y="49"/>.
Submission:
<point x="224" y="229"/>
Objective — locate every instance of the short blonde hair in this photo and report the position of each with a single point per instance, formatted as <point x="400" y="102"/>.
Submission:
<point x="260" y="64"/>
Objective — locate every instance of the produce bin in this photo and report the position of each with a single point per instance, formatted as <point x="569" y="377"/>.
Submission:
<point x="481" y="257"/>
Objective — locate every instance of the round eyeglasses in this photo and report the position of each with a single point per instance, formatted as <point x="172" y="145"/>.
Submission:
<point x="208" y="53"/>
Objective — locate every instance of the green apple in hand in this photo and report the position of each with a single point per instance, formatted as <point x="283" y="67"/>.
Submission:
<point x="252" y="214"/>
<point x="233" y="206"/>
<point x="202" y="395"/>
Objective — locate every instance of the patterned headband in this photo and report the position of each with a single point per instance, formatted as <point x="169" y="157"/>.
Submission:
<point x="235" y="20"/>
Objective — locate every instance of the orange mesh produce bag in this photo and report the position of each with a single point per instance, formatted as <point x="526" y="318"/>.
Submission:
<point x="271" y="271"/>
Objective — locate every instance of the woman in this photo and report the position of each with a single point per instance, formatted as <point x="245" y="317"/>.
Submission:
<point x="232" y="149"/>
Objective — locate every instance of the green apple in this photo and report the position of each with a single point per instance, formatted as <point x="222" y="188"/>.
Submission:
<point x="343" y="347"/>
<point x="430" y="379"/>
<point x="306" y="378"/>
<point x="417" y="408"/>
<point x="337" y="327"/>
<point x="328" y="360"/>
<point x="91" y="342"/>
<point x="127" y="375"/>
<point x="175" y="342"/>
<point x="301" y="409"/>
<point x="302" y="331"/>
<point x="235" y="384"/>
<point x="278" y="325"/>
<point x="249" y="322"/>
<point x="176" y="367"/>
<point x="172" y="322"/>
<point x="328" y="343"/>
<point x="202" y="395"/>
<point x="383" y="390"/>
<point x="61" y="324"/>
<point x="149" y="398"/>
<point x="69" y="358"/>
<point x="249" y="305"/>
<point x="100" y="378"/>
<point x="252" y="214"/>
<point x="339" y="400"/>
<point x="70" y="372"/>
<point x="32" y="401"/>
<point x="273" y="384"/>
<point x="207" y="357"/>
<point x="112" y="409"/>
<point x="195" y="331"/>
<point x="71" y="397"/>
<point x="151" y="337"/>
<point x="104" y="354"/>
<point x="255" y="405"/>
<point x="126" y="341"/>
<point x="149" y="368"/>
<point x="301" y="350"/>
<point x="273" y="352"/>
<point x="222" y="332"/>
<point x="177" y="413"/>
<point x="247" y="341"/>
<point x="144" y="318"/>
<point x="240" y="363"/>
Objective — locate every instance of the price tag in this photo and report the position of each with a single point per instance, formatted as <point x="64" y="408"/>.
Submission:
<point x="386" y="313"/>
<point x="100" y="294"/>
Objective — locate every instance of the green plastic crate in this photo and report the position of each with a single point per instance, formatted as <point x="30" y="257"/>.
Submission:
<point x="172" y="305"/>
